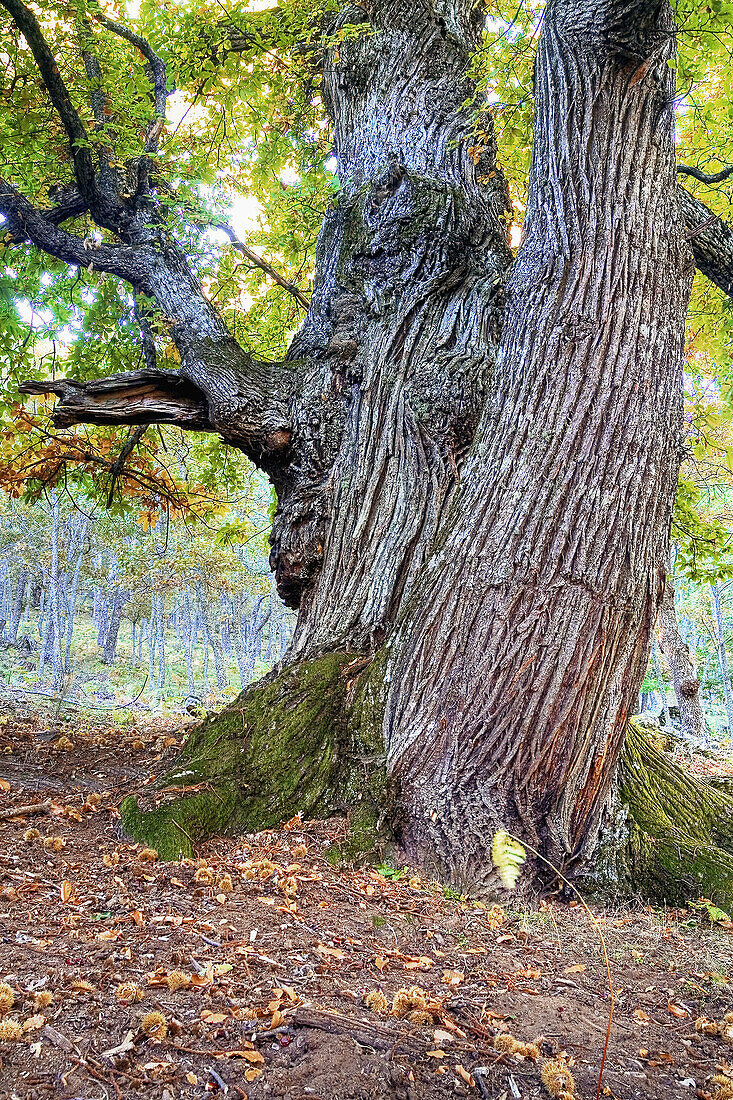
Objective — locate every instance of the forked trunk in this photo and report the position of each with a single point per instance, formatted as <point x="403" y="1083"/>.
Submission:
<point x="475" y="459"/>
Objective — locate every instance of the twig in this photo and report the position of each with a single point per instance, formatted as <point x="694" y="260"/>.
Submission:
<point x="33" y="808"/>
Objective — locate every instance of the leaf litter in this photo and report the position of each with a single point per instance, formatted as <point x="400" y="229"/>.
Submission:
<point x="259" y="970"/>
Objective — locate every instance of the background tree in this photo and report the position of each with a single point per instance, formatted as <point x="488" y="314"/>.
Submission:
<point x="475" y="457"/>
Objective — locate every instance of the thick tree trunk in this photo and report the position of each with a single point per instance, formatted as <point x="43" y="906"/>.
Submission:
<point x="475" y="462"/>
<point x="684" y="677"/>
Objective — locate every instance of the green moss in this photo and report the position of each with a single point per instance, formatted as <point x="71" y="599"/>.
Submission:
<point x="291" y="744"/>
<point x="680" y="828"/>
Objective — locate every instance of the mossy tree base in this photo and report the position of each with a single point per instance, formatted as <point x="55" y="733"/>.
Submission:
<point x="679" y="830"/>
<point x="306" y="740"/>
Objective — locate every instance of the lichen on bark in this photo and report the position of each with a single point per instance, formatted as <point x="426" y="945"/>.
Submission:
<point x="306" y="740"/>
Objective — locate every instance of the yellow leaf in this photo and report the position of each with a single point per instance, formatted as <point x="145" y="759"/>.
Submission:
<point x="252" y="1074"/>
<point x="380" y="962"/>
<point x="67" y="891"/>
<point x="435" y="1054"/>
<point x="4" y="785"/>
<point x="192" y="1079"/>
<point x="252" y="1055"/>
<point x="507" y="855"/>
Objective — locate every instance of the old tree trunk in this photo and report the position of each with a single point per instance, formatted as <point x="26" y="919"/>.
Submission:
<point x="475" y="457"/>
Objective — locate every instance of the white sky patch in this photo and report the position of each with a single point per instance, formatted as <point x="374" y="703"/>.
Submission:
<point x="246" y="212"/>
<point x="290" y="175"/>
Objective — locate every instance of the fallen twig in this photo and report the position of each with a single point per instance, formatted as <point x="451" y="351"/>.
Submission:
<point x="32" y="808"/>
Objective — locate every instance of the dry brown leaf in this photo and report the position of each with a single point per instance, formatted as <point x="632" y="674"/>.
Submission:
<point x="67" y="891"/>
<point x="640" y="1014"/>
<point x="465" y="1075"/>
<point x="577" y="969"/>
<point x="33" y="1023"/>
<point x="251" y="1055"/>
<point x="420" y="962"/>
<point x="213" y="1017"/>
<point x="324" y="952"/>
<point x="252" y="1074"/>
<point x="4" y="786"/>
<point x="453" y="977"/>
<point x="380" y="962"/>
<point x="677" y="1010"/>
<point x="435" y="1054"/>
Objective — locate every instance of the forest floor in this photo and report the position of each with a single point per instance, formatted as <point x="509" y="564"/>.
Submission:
<point x="259" y="956"/>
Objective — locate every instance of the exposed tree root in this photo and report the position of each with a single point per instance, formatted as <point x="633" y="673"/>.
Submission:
<point x="680" y="828"/>
<point x="305" y="741"/>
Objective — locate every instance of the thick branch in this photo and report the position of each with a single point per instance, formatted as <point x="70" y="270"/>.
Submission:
<point x="27" y="222"/>
<point x="140" y="397"/>
<point x="157" y="76"/>
<point x="28" y="25"/>
<point x="705" y="177"/>
<point x="711" y="241"/>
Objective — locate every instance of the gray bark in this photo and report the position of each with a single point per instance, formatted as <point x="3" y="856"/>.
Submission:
<point x="684" y="678"/>
<point x="119" y="599"/>
<point x="722" y="655"/>
<point x="475" y="461"/>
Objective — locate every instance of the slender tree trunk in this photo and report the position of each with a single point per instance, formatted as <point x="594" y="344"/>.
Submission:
<point x="17" y="607"/>
<point x="684" y="677"/>
<point x="119" y="599"/>
<point x="722" y="656"/>
<point x="666" y="720"/>
<point x="55" y="616"/>
<point x="211" y="637"/>
<point x="71" y="612"/>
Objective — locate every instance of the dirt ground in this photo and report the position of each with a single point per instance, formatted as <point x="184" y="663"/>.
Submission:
<point x="259" y="956"/>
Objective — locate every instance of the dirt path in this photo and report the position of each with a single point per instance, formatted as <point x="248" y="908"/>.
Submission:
<point x="275" y="952"/>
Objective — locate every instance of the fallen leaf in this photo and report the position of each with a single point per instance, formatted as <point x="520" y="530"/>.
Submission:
<point x="251" y="1055"/>
<point x="4" y="786"/>
<point x="324" y="952"/>
<point x="641" y="1015"/>
<point x="465" y="1075"/>
<point x="577" y="969"/>
<point x="192" y="1079"/>
<point x="453" y="977"/>
<point x="252" y="1074"/>
<point x="677" y="1010"/>
<point x="380" y="962"/>
<point x="435" y="1054"/>
<point x="33" y="1023"/>
<point x="421" y="962"/>
<point x="213" y="1017"/>
<point x="67" y="891"/>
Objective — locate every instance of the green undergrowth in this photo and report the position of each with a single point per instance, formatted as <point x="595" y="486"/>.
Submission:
<point x="296" y="743"/>
<point x="680" y="827"/>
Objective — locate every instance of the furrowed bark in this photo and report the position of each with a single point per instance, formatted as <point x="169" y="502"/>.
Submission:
<point x="522" y="651"/>
<point x="684" y="677"/>
<point x="402" y="327"/>
<point x="711" y="241"/>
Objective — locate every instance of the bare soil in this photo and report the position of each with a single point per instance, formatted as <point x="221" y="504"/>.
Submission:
<point x="277" y="950"/>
